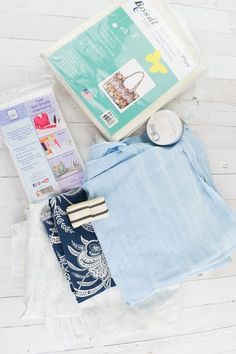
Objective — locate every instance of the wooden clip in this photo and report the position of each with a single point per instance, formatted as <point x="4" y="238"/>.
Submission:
<point x="85" y="212"/>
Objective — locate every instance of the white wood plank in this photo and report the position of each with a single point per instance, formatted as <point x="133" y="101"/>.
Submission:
<point x="11" y="214"/>
<point x="223" y="43"/>
<point x="197" y="112"/>
<point x="16" y="77"/>
<point x="7" y="167"/>
<point x="190" y="329"/>
<point x="222" y="161"/>
<point x="208" y="291"/>
<point x="226" y="271"/>
<point x="11" y="310"/>
<point x="5" y="252"/>
<point x="214" y="341"/>
<point x="9" y="286"/>
<point x="216" y="137"/>
<point x="23" y="52"/>
<point x="62" y="8"/>
<point x="221" y="67"/>
<point x="29" y="339"/>
<point x="204" y="318"/>
<point x="225" y="5"/>
<point x="195" y="320"/>
<point x="211" y="90"/>
<point x="36" y="26"/>
<point x="232" y="204"/>
<point x="204" y="19"/>
<point x="12" y="192"/>
<point x="225" y="185"/>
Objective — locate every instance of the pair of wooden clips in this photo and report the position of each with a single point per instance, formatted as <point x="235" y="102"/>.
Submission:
<point x="88" y="211"/>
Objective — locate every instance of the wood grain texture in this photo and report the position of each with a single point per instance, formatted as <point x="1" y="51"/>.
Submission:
<point x="221" y="5"/>
<point x="207" y="318"/>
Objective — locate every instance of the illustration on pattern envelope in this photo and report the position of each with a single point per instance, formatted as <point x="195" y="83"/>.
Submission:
<point x="56" y="143"/>
<point x="46" y="122"/>
<point x="127" y="85"/>
<point x="65" y="165"/>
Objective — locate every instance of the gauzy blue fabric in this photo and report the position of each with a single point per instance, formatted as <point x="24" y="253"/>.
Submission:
<point x="167" y="221"/>
<point x="78" y="250"/>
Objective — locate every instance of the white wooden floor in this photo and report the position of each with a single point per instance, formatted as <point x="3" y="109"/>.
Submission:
<point x="208" y="316"/>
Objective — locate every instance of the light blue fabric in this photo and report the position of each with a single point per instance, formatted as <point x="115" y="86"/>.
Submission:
<point x="167" y="221"/>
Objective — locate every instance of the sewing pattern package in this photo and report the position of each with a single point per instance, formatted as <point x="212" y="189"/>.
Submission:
<point x="41" y="146"/>
<point x="125" y="64"/>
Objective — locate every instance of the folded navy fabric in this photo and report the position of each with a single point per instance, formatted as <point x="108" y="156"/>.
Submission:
<point x="78" y="250"/>
<point x="167" y="221"/>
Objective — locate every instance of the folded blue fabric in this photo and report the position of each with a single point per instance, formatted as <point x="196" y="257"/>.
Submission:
<point x="78" y="250"/>
<point x="167" y="221"/>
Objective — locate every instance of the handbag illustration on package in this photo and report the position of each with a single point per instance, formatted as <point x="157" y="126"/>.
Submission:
<point x="118" y="92"/>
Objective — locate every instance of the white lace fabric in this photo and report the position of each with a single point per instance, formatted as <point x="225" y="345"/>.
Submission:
<point x="48" y="297"/>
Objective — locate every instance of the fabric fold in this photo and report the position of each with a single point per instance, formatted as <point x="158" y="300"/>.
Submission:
<point x="167" y="222"/>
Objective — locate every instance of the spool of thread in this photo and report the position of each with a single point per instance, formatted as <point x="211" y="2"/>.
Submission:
<point x="165" y="128"/>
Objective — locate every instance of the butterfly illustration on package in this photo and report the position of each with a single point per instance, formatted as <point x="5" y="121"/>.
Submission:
<point x="157" y="66"/>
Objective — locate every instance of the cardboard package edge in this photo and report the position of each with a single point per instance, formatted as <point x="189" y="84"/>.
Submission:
<point x="169" y="16"/>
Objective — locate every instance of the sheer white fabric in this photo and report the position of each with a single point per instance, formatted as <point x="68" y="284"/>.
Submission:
<point x="48" y="297"/>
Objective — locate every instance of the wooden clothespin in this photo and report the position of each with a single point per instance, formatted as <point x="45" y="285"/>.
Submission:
<point x="88" y="211"/>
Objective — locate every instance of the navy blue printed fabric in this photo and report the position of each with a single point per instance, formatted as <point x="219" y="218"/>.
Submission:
<point x="78" y="250"/>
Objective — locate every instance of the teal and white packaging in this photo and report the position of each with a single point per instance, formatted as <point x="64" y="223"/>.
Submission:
<point x="41" y="146"/>
<point x="126" y="63"/>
